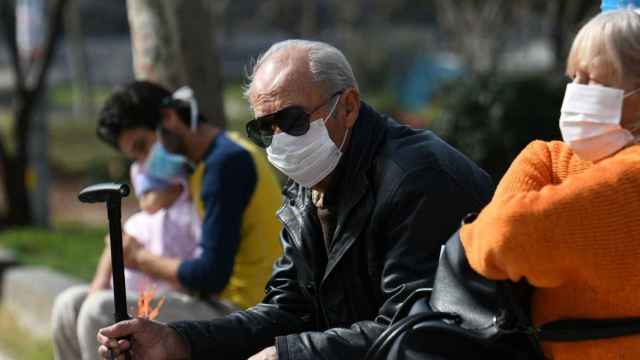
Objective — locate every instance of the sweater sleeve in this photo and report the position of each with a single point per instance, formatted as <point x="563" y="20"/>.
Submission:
<point x="550" y="232"/>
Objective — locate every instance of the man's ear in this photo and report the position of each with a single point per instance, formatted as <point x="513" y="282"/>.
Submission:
<point x="351" y="107"/>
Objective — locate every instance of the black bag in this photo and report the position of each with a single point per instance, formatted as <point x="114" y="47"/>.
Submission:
<point x="466" y="316"/>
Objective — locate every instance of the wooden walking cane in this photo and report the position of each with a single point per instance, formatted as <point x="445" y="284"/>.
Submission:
<point x="112" y="194"/>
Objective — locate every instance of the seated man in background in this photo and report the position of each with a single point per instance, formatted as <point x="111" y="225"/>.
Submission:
<point x="368" y="206"/>
<point x="234" y="191"/>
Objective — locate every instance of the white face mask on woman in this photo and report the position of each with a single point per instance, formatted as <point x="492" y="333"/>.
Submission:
<point x="590" y="121"/>
<point x="308" y="158"/>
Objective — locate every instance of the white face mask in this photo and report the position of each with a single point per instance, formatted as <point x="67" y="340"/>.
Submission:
<point x="309" y="158"/>
<point x="590" y="121"/>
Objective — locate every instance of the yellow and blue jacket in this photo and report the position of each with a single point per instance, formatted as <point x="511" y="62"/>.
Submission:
<point x="237" y="194"/>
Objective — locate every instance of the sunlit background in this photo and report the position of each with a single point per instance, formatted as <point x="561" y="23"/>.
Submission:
<point x="487" y="75"/>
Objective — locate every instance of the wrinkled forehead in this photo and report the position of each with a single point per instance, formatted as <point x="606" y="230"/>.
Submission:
<point x="281" y="82"/>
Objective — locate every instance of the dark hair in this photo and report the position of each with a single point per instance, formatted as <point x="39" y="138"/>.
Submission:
<point x="136" y="105"/>
<point x="183" y="109"/>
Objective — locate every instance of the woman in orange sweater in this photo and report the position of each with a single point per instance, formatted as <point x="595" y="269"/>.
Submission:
<point x="566" y="215"/>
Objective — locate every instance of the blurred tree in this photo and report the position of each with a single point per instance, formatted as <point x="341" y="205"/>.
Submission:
<point x="477" y="30"/>
<point x="491" y="119"/>
<point x="29" y="84"/>
<point x="491" y="114"/>
<point x="174" y="44"/>
<point x="480" y="30"/>
<point x="299" y="19"/>
<point x="563" y="18"/>
<point x="79" y="63"/>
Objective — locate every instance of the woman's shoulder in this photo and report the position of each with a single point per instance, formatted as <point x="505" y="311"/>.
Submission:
<point x="553" y="159"/>
<point x="538" y="154"/>
<point x="552" y="148"/>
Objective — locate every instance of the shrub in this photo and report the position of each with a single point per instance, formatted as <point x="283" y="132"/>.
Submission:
<point x="491" y="119"/>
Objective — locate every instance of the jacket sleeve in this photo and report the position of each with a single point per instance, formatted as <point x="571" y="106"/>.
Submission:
<point x="576" y="226"/>
<point x="423" y="209"/>
<point x="284" y="310"/>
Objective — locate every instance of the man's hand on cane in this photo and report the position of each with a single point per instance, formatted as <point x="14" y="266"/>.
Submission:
<point x="150" y="340"/>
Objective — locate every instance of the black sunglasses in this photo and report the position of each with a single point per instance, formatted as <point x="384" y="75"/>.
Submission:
<point x="293" y="120"/>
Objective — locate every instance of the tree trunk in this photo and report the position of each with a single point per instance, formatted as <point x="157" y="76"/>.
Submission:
<point x="174" y="45"/>
<point x="16" y="182"/>
<point x="83" y="105"/>
<point x="29" y="86"/>
<point x="565" y="18"/>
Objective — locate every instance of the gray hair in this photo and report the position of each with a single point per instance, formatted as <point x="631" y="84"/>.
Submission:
<point x="615" y="37"/>
<point x="328" y="65"/>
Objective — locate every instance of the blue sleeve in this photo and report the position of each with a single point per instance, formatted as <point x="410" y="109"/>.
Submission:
<point x="228" y="184"/>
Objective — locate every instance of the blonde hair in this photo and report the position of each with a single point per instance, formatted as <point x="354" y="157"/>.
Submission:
<point x="614" y="36"/>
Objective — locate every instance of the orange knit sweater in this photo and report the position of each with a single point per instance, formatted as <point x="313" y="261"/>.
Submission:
<point x="572" y="229"/>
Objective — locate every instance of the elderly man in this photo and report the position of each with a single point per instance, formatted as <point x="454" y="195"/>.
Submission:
<point x="366" y="210"/>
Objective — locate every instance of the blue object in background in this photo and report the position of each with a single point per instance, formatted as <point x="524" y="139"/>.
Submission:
<point x="423" y="79"/>
<point x="608" y="5"/>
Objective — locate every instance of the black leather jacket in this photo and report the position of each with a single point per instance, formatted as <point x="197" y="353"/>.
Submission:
<point x="402" y="194"/>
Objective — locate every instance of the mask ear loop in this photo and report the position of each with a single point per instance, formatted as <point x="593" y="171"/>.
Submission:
<point x="194" y="114"/>
<point x="631" y="93"/>
<point x="635" y="129"/>
<point x="185" y="93"/>
<point x="333" y="108"/>
<point x="344" y="138"/>
<point x="159" y="135"/>
<point x="635" y="132"/>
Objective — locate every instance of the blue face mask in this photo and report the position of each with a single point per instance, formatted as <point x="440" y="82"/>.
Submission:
<point x="165" y="165"/>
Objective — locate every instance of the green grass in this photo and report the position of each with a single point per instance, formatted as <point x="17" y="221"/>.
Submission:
<point x="19" y="343"/>
<point x="73" y="249"/>
<point x="62" y="95"/>
<point x="75" y="149"/>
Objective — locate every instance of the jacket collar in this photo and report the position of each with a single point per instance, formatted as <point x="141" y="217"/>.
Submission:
<point x="368" y="133"/>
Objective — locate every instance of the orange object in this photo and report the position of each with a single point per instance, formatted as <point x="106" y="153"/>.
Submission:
<point x="572" y="229"/>
<point x="145" y="309"/>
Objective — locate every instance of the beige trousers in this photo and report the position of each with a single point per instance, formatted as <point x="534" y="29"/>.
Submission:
<point x="77" y="317"/>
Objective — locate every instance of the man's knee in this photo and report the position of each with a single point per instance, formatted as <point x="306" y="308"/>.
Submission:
<point x="98" y="303"/>
<point x="67" y="304"/>
<point x="97" y="311"/>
